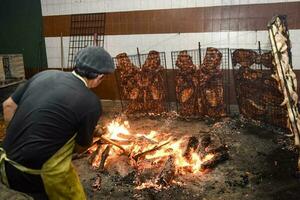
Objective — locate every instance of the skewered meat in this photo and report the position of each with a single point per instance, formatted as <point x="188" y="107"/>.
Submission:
<point x="186" y="84"/>
<point x="244" y="57"/>
<point x="211" y="86"/>
<point x="267" y="60"/>
<point x="143" y="88"/>
<point x="186" y="94"/>
<point x="152" y="83"/>
<point x="129" y="76"/>
<point x="258" y="94"/>
<point x="200" y="92"/>
<point x="281" y="49"/>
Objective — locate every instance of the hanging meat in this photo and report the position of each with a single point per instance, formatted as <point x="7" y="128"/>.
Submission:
<point x="186" y="84"/>
<point x="244" y="57"/>
<point x="257" y="92"/>
<point x="152" y="84"/>
<point x="142" y="90"/>
<point x="210" y="90"/>
<point x="284" y="75"/>
<point x="200" y="92"/>
<point x="129" y="75"/>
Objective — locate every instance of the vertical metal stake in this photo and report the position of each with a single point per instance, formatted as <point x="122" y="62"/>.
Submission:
<point x="61" y="52"/>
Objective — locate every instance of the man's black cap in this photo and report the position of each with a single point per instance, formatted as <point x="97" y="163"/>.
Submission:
<point x="96" y="59"/>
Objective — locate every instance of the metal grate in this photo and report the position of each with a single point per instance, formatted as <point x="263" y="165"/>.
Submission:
<point x="6" y="66"/>
<point x="86" y="30"/>
<point x="214" y="92"/>
<point x="145" y="105"/>
<point x="257" y="93"/>
<point x="11" y="69"/>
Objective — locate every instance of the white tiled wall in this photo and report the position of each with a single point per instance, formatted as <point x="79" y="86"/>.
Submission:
<point x="65" y="7"/>
<point x="174" y="42"/>
<point x="53" y="50"/>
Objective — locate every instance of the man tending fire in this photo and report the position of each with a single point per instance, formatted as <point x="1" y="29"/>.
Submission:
<point x="48" y="115"/>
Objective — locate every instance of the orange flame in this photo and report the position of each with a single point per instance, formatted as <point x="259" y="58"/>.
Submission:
<point x="120" y="133"/>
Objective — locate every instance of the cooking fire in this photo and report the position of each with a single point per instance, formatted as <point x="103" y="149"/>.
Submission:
<point x="155" y="158"/>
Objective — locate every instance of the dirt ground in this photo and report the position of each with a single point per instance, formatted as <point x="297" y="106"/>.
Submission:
<point x="261" y="165"/>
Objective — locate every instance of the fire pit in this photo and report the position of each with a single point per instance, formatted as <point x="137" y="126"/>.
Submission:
<point x="154" y="158"/>
<point x="260" y="160"/>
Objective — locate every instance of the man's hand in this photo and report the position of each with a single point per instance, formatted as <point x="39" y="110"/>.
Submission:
<point x="9" y="109"/>
<point x="79" y="149"/>
<point x="97" y="132"/>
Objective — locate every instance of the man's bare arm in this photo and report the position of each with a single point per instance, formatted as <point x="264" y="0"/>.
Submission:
<point x="9" y="109"/>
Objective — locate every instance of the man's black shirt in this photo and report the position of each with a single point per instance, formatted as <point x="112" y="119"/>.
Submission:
<point x="52" y="107"/>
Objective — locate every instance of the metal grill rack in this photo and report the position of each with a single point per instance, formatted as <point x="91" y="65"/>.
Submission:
<point x="257" y="93"/>
<point x="197" y="57"/>
<point x="86" y="30"/>
<point x="138" y="61"/>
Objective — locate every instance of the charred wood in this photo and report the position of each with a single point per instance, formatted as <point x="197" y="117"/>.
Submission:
<point x="191" y="147"/>
<point x="104" y="156"/>
<point x="168" y="172"/>
<point x="219" y="157"/>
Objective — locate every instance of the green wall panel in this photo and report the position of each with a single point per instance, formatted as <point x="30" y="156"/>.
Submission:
<point x="21" y="31"/>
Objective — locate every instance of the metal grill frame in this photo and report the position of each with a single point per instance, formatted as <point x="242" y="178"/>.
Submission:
<point x="86" y="30"/>
<point x="272" y="111"/>
<point x="197" y="58"/>
<point x="138" y="60"/>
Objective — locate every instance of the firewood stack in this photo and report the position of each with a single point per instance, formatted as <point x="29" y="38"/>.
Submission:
<point x="142" y="89"/>
<point x="284" y="75"/>
<point x="129" y="76"/>
<point x="152" y="84"/>
<point x="186" y="84"/>
<point x="257" y="92"/>
<point x="200" y="92"/>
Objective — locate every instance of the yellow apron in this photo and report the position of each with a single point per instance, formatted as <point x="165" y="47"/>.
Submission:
<point x="60" y="179"/>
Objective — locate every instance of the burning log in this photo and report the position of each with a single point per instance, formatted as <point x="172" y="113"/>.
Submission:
<point x="104" y="156"/>
<point x="212" y="147"/>
<point x="218" y="157"/>
<point x="191" y="147"/>
<point x="95" y="154"/>
<point x="99" y="156"/>
<point x="168" y="172"/>
<point x="155" y="148"/>
<point x="113" y="143"/>
<point x="205" y="141"/>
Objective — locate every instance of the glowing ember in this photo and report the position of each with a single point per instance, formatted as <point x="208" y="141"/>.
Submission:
<point x="153" y="148"/>
<point x="116" y="130"/>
